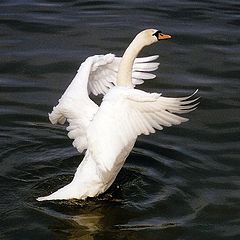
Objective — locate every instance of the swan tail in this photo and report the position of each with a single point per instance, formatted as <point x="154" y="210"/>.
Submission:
<point x="64" y="193"/>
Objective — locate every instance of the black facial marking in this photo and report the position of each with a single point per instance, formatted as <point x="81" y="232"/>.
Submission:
<point x="156" y="33"/>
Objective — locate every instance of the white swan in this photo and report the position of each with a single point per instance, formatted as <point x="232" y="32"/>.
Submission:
<point x="109" y="131"/>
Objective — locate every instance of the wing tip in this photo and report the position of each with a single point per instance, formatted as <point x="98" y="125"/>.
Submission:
<point x="56" y="117"/>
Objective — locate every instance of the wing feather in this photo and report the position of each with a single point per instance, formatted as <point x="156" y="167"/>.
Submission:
<point x="76" y="107"/>
<point x="148" y="111"/>
<point x="105" y="71"/>
<point x="147" y="59"/>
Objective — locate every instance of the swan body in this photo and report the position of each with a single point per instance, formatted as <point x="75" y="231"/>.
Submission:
<point x="108" y="132"/>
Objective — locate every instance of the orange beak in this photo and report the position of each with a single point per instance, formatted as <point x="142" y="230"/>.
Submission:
<point x="162" y="36"/>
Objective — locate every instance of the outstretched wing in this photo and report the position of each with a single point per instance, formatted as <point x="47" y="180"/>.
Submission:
<point x="126" y="113"/>
<point x="105" y="68"/>
<point x="97" y="75"/>
<point x="139" y="112"/>
<point x="76" y="106"/>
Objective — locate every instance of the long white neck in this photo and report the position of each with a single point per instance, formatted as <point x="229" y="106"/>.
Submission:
<point x="124" y="77"/>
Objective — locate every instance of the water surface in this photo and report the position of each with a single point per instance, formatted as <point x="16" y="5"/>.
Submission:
<point x="180" y="183"/>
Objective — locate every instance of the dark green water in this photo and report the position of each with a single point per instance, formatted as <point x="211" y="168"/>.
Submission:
<point x="180" y="183"/>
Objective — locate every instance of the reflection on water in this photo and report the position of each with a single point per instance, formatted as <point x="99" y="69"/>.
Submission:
<point x="180" y="183"/>
<point x="82" y="224"/>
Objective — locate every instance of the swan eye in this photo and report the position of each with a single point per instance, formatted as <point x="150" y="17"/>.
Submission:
<point x="157" y="33"/>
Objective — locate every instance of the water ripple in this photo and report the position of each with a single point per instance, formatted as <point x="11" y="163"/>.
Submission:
<point x="180" y="183"/>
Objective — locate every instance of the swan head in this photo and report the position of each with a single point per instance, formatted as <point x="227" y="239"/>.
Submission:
<point x="150" y="36"/>
<point x="144" y="38"/>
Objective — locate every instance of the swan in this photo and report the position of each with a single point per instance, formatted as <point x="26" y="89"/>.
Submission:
<point x="108" y="132"/>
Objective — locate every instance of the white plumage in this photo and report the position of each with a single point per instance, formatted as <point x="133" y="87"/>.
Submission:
<point x="108" y="132"/>
<point x="96" y="75"/>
